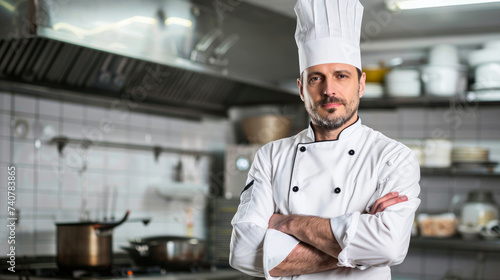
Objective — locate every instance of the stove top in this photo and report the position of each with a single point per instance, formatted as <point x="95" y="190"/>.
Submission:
<point x="45" y="268"/>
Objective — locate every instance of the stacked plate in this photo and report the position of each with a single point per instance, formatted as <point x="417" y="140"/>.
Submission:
<point x="470" y="154"/>
<point x="472" y="159"/>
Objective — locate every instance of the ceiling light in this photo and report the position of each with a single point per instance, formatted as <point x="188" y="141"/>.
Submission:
<point x="396" y="5"/>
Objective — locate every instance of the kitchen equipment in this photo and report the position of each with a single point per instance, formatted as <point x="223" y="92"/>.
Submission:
<point x="403" y="82"/>
<point x="491" y="231"/>
<point x="486" y="62"/>
<point x="444" y="80"/>
<point x="173" y="253"/>
<point x="479" y="209"/>
<point x="239" y="159"/>
<point x="437" y="153"/>
<point x="487" y="75"/>
<point x="373" y="90"/>
<point x="444" y="55"/>
<point x="375" y="74"/>
<point x="266" y="128"/>
<point x="220" y="213"/>
<point x="86" y="245"/>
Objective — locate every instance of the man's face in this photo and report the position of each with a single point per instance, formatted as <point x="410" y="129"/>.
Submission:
<point x="331" y="93"/>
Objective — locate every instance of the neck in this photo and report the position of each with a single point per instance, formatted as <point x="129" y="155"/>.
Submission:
<point x="322" y="134"/>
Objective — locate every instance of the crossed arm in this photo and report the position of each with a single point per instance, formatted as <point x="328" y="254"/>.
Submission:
<point x="318" y="250"/>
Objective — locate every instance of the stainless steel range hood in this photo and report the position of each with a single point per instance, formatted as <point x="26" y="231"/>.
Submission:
<point x="204" y="56"/>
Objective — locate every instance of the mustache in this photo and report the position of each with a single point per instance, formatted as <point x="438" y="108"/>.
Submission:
<point x="330" y="99"/>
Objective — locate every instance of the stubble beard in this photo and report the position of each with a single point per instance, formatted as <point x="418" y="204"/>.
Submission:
<point x="327" y="123"/>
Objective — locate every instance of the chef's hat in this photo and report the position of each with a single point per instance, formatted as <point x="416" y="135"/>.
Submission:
<point x="328" y="31"/>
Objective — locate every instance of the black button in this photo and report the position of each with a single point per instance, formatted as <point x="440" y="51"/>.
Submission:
<point x="295" y="189"/>
<point x="303" y="149"/>
<point x="351" y="152"/>
<point x="337" y="190"/>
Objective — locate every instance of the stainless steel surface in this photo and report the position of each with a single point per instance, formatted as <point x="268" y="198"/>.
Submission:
<point x="178" y="53"/>
<point x="129" y="146"/>
<point x="235" y="179"/>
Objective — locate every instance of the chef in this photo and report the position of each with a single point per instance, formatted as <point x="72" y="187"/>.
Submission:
<point x="337" y="200"/>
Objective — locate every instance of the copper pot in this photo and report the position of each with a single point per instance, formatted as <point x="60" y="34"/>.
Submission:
<point x="86" y="245"/>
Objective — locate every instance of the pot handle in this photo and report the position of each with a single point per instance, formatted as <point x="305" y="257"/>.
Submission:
<point x="109" y="226"/>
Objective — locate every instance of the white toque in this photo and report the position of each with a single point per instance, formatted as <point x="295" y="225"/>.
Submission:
<point x="328" y="31"/>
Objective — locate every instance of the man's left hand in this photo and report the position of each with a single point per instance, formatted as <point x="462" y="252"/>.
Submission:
<point x="386" y="201"/>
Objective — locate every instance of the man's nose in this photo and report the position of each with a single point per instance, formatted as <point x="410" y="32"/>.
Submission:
<point x="329" y="88"/>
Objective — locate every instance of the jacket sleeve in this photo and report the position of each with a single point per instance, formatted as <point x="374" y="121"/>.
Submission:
<point x="382" y="239"/>
<point x="252" y="218"/>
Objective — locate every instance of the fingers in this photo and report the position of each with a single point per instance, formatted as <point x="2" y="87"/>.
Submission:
<point x="388" y="200"/>
<point x="386" y="197"/>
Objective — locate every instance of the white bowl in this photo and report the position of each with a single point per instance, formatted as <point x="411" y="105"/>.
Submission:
<point x="444" y="55"/>
<point x="444" y="80"/>
<point x="487" y="75"/>
<point x="489" y="53"/>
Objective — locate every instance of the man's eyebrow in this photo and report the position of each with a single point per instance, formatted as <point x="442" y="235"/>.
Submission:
<point x="314" y="73"/>
<point x="342" y="71"/>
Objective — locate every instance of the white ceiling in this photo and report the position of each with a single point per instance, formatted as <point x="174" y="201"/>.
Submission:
<point x="469" y="19"/>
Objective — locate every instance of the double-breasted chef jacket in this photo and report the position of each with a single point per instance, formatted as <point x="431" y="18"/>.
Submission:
<point x="340" y="180"/>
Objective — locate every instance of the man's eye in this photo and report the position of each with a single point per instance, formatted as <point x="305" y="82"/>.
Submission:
<point x="314" y="79"/>
<point x="342" y="76"/>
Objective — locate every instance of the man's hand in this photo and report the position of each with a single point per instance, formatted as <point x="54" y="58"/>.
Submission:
<point x="386" y="201"/>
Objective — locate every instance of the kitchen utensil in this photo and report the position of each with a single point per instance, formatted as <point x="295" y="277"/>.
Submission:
<point x="373" y="90"/>
<point x="402" y="82"/>
<point x="375" y="74"/>
<point x="437" y="153"/>
<point x="444" y="55"/>
<point x="266" y="128"/>
<point x="488" y="54"/>
<point x="479" y="209"/>
<point x="86" y="245"/>
<point x="491" y="231"/>
<point x="487" y="76"/>
<point x="441" y="80"/>
<point x="169" y="252"/>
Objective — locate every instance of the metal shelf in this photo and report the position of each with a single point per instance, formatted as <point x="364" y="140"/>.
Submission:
<point x="455" y="173"/>
<point x="455" y="243"/>
<point x="422" y="101"/>
<point x="61" y="142"/>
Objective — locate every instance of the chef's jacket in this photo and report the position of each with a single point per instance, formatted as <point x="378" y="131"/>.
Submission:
<point x="340" y="180"/>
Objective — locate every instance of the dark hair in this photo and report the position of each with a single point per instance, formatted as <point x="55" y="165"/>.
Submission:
<point x="357" y="70"/>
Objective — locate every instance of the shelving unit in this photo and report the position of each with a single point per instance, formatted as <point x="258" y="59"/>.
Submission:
<point x="455" y="243"/>
<point x="456" y="172"/>
<point x="421" y="102"/>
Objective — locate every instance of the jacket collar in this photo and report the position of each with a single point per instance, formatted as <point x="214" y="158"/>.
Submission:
<point x="344" y="134"/>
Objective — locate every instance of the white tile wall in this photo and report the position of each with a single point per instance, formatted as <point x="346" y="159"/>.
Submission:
<point x="50" y="108"/>
<point x="96" y="114"/>
<point x="4" y="125"/>
<point x="4" y="150"/>
<point x="72" y="111"/>
<point x="5" y="101"/>
<point x="24" y="104"/>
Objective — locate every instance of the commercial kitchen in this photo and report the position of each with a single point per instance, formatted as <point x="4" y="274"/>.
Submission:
<point x="127" y="129"/>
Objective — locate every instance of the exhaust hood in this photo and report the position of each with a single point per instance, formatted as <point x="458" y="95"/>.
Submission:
<point x="185" y="57"/>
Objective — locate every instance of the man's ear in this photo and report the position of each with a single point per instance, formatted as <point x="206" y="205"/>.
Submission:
<point x="362" y="84"/>
<point x="301" y="89"/>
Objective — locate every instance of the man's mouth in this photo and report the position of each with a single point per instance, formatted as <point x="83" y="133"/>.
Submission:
<point x="331" y="105"/>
